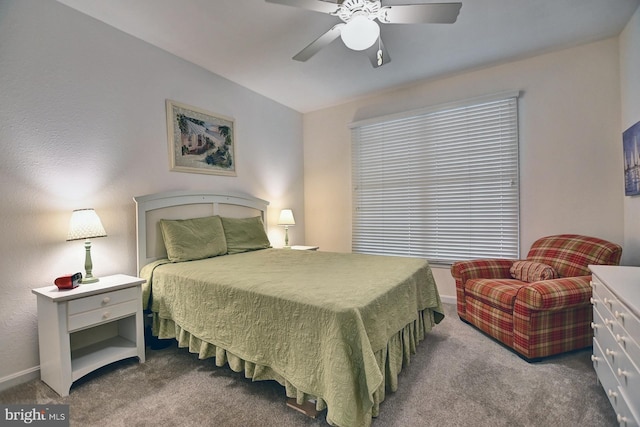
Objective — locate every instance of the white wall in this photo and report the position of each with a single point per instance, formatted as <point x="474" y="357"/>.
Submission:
<point x="630" y="94"/>
<point x="83" y="124"/>
<point x="570" y="146"/>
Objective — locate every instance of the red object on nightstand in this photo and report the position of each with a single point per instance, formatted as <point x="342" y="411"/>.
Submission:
<point x="68" y="282"/>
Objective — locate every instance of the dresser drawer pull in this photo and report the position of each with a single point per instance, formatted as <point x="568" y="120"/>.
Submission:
<point x="612" y="393"/>
<point x="622" y="373"/>
<point x="621" y="419"/>
<point x="106" y="315"/>
<point x="610" y="352"/>
<point x="594" y="325"/>
<point x="619" y="315"/>
<point x="593" y="285"/>
<point x="609" y="322"/>
<point x="106" y="300"/>
<point x="608" y="302"/>
<point x="594" y="358"/>
<point x="592" y="300"/>
<point x="620" y="339"/>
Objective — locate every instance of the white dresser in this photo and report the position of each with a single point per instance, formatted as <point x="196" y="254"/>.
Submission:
<point x="616" y="338"/>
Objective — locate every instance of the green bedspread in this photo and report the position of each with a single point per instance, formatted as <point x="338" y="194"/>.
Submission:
<point x="322" y="324"/>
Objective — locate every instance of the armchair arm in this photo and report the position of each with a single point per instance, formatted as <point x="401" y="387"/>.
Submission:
<point x="555" y="294"/>
<point x="481" y="269"/>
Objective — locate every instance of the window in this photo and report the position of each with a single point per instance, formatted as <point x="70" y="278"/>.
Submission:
<point x="438" y="183"/>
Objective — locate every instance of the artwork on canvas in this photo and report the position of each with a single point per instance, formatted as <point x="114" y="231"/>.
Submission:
<point x="631" y="148"/>
<point x="200" y="141"/>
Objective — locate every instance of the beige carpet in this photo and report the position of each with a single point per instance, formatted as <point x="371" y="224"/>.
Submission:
<point x="459" y="377"/>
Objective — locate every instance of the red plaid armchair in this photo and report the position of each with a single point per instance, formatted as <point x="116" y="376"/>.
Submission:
<point x="539" y="306"/>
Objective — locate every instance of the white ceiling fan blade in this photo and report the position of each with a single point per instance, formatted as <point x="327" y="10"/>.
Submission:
<point x="316" y="5"/>
<point x="319" y="43"/>
<point x="378" y="54"/>
<point x="428" y="13"/>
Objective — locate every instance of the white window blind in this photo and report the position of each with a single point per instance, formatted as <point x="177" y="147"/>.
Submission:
<point x="440" y="184"/>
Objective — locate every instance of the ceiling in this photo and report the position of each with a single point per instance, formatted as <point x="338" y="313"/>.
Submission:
<point x="251" y="42"/>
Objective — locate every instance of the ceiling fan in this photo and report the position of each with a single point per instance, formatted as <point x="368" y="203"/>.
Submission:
<point x="358" y="28"/>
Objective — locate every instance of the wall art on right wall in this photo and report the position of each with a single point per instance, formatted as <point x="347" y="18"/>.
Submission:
<point x="631" y="148"/>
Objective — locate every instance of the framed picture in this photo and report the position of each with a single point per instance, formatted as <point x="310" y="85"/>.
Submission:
<point x="631" y="148"/>
<point x="200" y="141"/>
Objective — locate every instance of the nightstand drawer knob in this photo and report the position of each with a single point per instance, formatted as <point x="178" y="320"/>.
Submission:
<point x="106" y="315"/>
<point x="106" y="300"/>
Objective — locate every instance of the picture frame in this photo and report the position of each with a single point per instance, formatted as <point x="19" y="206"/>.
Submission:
<point x="200" y="141"/>
<point x="631" y="149"/>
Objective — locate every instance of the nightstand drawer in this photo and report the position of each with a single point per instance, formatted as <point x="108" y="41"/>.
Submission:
<point x="104" y="314"/>
<point x="101" y="301"/>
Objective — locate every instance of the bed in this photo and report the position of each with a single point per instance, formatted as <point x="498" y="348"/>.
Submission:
<point x="334" y="329"/>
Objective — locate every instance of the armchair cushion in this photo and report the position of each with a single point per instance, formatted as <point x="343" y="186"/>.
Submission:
<point x="498" y="293"/>
<point x="556" y="294"/>
<point x="531" y="271"/>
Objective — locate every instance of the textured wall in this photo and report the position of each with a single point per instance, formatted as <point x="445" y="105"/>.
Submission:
<point x="83" y="124"/>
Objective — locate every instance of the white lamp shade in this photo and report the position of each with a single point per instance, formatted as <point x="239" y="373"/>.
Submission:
<point x="85" y="224"/>
<point x="286" y="217"/>
<point x="360" y="33"/>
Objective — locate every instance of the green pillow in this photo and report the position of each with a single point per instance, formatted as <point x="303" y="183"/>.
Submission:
<point x="245" y="234"/>
<point x="191" y="239"/>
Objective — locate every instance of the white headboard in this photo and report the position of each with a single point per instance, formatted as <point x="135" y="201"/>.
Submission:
<point x="150" y="209"/>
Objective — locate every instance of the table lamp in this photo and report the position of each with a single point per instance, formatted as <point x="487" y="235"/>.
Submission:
<point x="286" y="219"/>
<point x="85" y="224"/>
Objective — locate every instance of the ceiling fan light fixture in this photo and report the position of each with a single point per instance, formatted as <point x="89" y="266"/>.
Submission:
<point x="360" y="33"/>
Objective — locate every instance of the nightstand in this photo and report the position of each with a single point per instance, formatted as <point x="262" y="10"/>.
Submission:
<point x="85" y="328"/>
<point x="305" y="248"/>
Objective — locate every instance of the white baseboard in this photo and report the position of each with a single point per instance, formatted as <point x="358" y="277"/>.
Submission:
<point x="446" y="299"/>
<point x="19" y="378"/>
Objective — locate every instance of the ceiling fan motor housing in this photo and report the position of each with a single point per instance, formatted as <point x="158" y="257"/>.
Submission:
<point x="351" y="8"/>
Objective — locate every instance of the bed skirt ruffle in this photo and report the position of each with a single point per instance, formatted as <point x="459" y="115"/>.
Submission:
<point x="390" y="359"/>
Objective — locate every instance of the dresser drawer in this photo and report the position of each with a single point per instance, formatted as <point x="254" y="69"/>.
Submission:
<point x="604" y="334"/>
<point x="605" y="374"/>
<point x="102" y="300"/>
<point x="103" y="314"/>
<point x="625" y="415"/>
<point x="602" y="298"/>
<point x="629" y="379"/>
<point x="626" y="342"/>
<point x="628" y="326"/>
